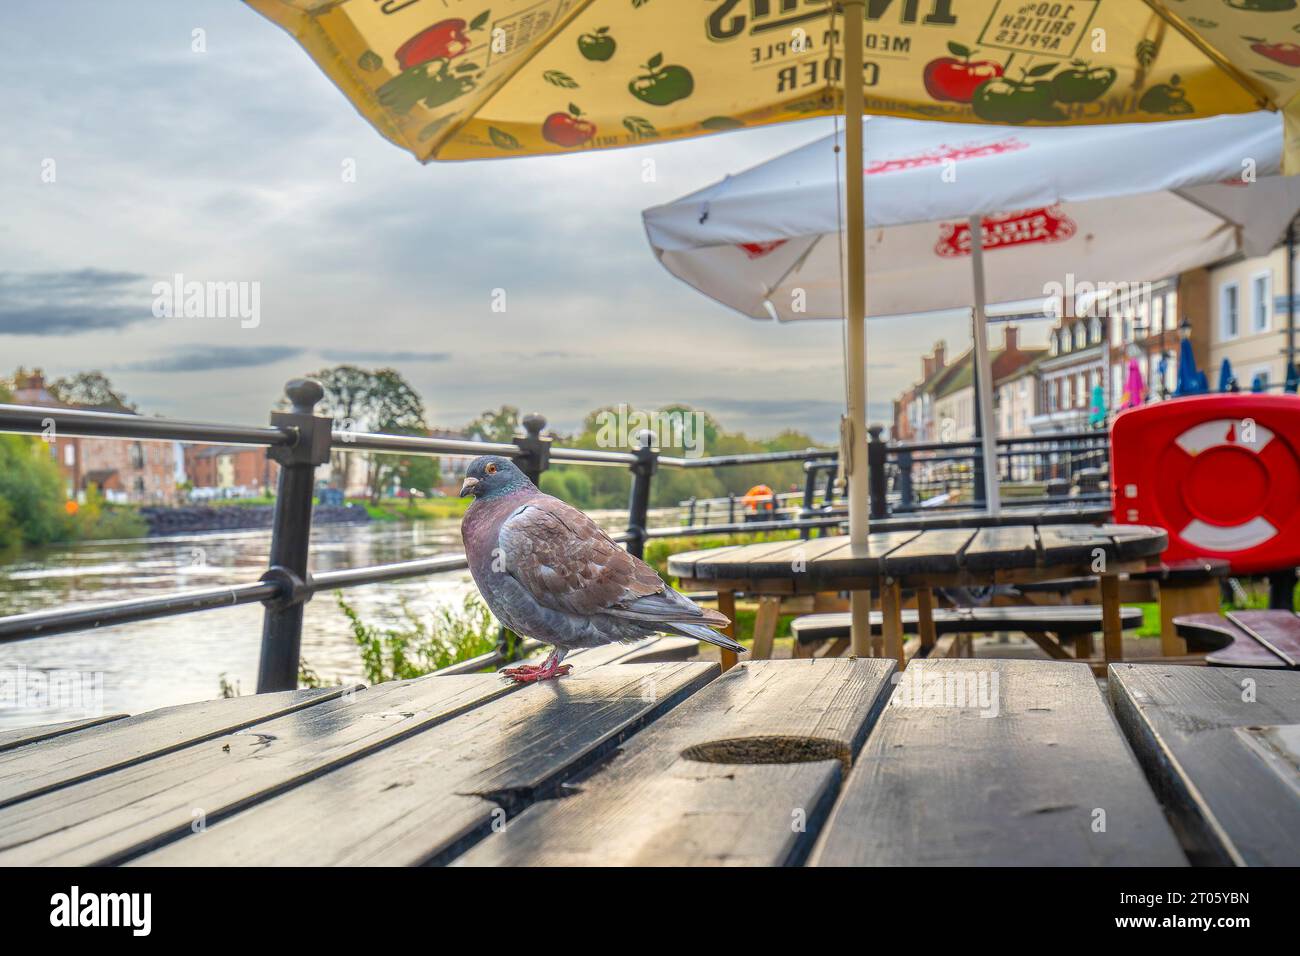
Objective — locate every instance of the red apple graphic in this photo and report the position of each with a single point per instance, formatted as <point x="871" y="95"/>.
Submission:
<point x="1288" y="54"/>
<point x="568" y="129"/>
<point x="955" y="80"/>
<point x="445" y="40"/>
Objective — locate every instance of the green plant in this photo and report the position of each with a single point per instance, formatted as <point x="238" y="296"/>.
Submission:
<point x="415" y="648"/>
<point x="228" y="689"/>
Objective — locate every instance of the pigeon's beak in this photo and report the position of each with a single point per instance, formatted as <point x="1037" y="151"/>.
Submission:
<point x="468" y="487"/>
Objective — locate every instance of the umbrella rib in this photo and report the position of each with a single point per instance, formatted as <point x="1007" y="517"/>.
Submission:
<point x="1236" y="227"/>
<point x="455" y="126"/>
<point x="1261" y="94"/>
<point x="796" y="265"/>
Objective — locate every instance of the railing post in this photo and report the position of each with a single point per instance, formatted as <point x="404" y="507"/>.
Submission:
<point x="731" y="508"/>
<point x="905" y="501"/>
<point x="638" y="506"/>
<point x="690" y="515"/>
<point x="876" y="472"/>
<point x="534" y="450"/>
<point x="291" y="534"/>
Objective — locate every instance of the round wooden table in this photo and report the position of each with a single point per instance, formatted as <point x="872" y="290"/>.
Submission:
<point x="924" y="560"/>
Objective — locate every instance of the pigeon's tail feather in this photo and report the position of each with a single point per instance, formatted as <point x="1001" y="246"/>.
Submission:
<point x="703" y="633"/>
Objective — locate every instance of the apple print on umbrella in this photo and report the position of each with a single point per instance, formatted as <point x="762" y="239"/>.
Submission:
<point x="1262" y="6"/>
<point x="1168" y="98"/>
<point x="1081" y="83"/>
<point x="662" y="85"/>
<point x="420" y="85"/>
<point x="1288" y="54"/>
<point x="568" y="129"/>
<point x="445" y="40"/>
<point x="597" y="46"/>
<point x="956" y="80"/>
<point x="1004" y="99"/>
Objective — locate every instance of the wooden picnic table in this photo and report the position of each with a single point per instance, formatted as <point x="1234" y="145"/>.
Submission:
<point x="922" y="561"/>
<point x="821" y="762"/>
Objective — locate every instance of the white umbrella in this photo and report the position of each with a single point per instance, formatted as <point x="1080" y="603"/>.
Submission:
<point x="1110" y="204"/>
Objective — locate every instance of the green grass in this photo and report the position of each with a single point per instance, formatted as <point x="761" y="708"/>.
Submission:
<point x="423" y="509"/>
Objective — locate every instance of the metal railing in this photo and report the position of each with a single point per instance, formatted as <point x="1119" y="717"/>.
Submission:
<point x="300" y="441"/>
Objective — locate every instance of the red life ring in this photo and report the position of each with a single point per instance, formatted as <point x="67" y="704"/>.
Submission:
<point x="1220" y="473"/>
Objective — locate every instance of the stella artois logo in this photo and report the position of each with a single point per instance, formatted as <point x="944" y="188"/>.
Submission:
<point x="1006" y="229"/>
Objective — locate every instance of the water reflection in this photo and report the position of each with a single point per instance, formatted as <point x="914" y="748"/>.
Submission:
<point x="176" y="660"/>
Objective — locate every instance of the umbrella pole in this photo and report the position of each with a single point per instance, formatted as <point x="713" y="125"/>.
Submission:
<point x="984" y="380"/>
<point x="855" y="313"/>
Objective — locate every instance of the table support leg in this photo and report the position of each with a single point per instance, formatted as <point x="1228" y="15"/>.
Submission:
<point x="765" y="622"/>
<point x="891" y="614"/>
<point x="727" y="605"/>
<point x="925" y="619"/>
<point x="1176" y="600"/>
<point x="1111" y="627"/>
<point x="860" y="610"/>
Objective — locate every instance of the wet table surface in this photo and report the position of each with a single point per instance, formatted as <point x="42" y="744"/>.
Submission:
<point x="639" y="758"/>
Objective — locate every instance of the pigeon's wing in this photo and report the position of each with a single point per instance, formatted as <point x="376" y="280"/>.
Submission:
<point x="568" y="563"/>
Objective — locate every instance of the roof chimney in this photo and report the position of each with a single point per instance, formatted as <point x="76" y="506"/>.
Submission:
<point x="1012" y="340"/>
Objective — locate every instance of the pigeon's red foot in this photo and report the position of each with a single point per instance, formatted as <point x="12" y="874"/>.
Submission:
<point x="531" y="673"/>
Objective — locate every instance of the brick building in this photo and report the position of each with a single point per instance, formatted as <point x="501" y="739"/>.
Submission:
<point x="230" y="470"/>
<point x="139" y="472"/>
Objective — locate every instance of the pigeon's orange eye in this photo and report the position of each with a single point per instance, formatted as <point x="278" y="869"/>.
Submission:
<point x="490" y="468"/>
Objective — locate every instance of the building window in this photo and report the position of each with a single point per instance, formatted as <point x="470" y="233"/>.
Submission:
<point x="1065" y="393"/>
<point x="1229" y="310"/>
<point x="1094" y="331"/>
<point x="1158" y="314"/>
<point x="69" y="455"/>
<point x="1261" y="305"/>
<point x="1171" y="309"/>
<point x="137" y="455"/>
<point x="1141" y="322"/>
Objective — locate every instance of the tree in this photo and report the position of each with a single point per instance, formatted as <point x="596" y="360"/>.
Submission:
<point x="396" y="409"/>
<point x="360" y="400"/>
<point x="346" y="387"/>
<point x="498" y="426"/>
<point x="90" y="388"/>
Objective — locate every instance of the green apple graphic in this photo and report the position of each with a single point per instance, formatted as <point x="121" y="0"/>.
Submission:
<point x="597" y="46"/>
<point x="662" y="85"/>
<point x="1168" y="98"/>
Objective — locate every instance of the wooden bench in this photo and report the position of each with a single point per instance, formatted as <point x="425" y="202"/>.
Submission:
<point x="996" y="763"/>
<point x="1219" y="749"/>
<point x="1181" y="588"/>
<point x="1244" y="638"/>
<point x="1065" y="622"/>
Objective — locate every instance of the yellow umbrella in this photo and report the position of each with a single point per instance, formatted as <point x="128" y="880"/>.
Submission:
<point x="477" y="79"/>
<point x="480" y="79"/>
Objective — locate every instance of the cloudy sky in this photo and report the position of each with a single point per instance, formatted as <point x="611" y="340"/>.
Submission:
<point x="228" y="165"/>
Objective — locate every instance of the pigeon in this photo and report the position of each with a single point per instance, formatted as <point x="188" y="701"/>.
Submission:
<point x="549" y="572"/>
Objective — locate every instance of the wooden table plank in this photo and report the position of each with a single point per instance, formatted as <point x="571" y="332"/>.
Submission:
<point x="919" y="554"/>
<point x="748" y="560"/>
<point x="995" y="548"/>
<point x="112" y="816"/>
<point x="1227" y="644"/>
<point x="846" y="562"/>
<point x="1279" y="631"/>
<point x="436" y="791"/>
<point x="1222" y="747"/>
<point x="656" y="805"/>
<point x="12" y="739"/>
<point x="29" y="771"/>
<point x="948" y="785"/>
<point x="682" y="565"/>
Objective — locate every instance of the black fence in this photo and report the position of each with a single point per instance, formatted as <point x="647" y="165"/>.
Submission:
<point x="300" y="441"/>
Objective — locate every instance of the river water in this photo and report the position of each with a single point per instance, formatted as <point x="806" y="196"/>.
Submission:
<point x="132" y="668"/>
